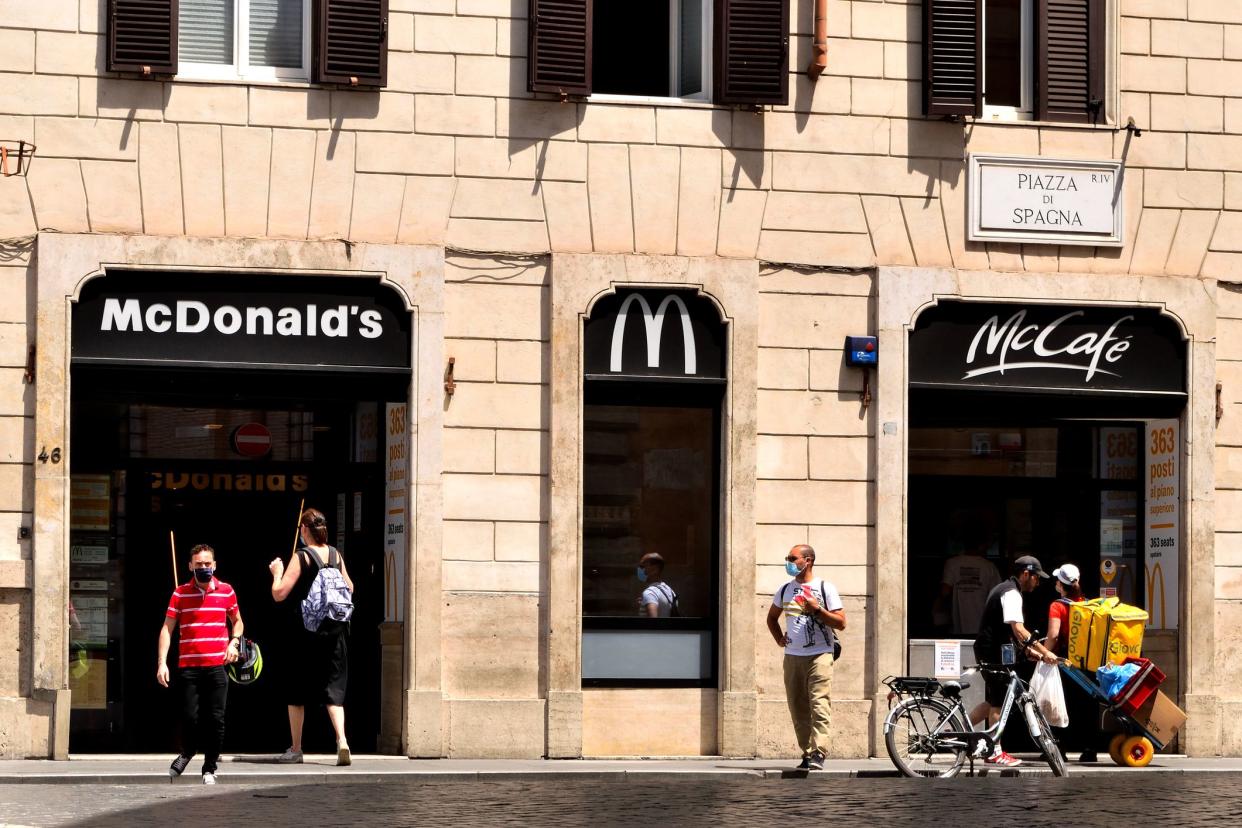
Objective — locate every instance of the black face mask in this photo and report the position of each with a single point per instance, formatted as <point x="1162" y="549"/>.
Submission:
<point x="203" y="576"/>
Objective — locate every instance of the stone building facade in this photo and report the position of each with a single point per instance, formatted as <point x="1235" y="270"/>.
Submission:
<point x="500" y="218"/>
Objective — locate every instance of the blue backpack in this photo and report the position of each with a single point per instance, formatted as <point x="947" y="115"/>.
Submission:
<point x="329" y="603"/>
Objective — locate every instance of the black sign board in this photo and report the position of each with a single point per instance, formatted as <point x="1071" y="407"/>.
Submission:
<point x="1033" y="347"/>
<point x="234" y="320"/>
<point x="655" y="334"/>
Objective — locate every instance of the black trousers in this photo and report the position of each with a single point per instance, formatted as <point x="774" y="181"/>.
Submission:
<point x="204" y="691"/>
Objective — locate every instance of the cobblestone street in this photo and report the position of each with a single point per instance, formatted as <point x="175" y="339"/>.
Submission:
<point x="1163" y="799"/>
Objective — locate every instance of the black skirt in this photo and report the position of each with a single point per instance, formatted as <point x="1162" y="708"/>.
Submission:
<point x="321" y="668"/>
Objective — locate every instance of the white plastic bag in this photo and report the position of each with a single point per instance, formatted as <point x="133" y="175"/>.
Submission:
<point x="1049" y="694"/>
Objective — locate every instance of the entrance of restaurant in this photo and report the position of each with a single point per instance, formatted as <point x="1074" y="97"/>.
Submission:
<point x="166" y="458"/>
<point x="1044" y="430"/>
<point x="995" y="476"/>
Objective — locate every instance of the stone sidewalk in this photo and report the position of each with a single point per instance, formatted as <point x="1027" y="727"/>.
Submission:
<point x="153" y="769"/>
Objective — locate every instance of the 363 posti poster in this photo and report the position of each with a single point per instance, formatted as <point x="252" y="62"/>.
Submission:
<point x="1163" y="521"/>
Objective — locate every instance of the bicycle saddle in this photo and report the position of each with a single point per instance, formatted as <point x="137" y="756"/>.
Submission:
<point x="953" y="689"/>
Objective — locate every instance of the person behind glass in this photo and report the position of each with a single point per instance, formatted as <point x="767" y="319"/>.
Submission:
<point x="1084" y="712"/>
<point x="813" y="611"/>
<point x="1001" y="630"/>
<point x="205" y="608"/>
<point x="321" y="658"/>
<point x="658" y="599"/>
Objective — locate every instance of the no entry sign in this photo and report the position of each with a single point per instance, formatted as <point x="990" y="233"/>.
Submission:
<point x="252" y="440"/>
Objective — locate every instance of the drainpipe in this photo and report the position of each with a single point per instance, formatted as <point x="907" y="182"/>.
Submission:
<point x="819" y="57"/>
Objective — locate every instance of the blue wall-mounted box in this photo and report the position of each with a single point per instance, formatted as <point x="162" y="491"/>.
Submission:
<point x="861" y="351"/>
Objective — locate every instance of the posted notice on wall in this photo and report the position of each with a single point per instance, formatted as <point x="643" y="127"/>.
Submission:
<point x="948" y="659"/>
<point x="1163" y="521"/>
<point x="396" y="487"/>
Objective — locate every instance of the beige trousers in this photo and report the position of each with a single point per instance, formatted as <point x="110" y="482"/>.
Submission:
<point x="808" y="682"/>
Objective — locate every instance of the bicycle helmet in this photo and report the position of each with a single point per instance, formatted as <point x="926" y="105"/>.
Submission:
<point x="249" y="662"/>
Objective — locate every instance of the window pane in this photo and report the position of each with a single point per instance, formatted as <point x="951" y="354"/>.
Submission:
<point x="1002" y="50"/>
<point x="631" y="43"/>
<point x="276" y="33"/>
<point x="691" y="47"/>
<point x="648" y="482"/>
<point x="205" y="31"/>
<point x="637" y="654"/>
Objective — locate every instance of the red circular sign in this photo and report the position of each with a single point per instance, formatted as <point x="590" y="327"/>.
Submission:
<point x="252" y="440"/>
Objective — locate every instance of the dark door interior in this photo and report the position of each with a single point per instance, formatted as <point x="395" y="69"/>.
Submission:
<point x="161" y="445"/>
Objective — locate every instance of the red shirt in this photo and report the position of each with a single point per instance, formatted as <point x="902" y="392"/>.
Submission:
<point x="202" y="615"/>
<point x="1060" y="609"/>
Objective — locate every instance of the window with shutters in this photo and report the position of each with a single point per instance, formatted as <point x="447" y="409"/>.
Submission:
<point x="652" y="48"/>
<point x="1016" y="59"/>
<point x="723" y="51"/>
<point x="244" y="39"/>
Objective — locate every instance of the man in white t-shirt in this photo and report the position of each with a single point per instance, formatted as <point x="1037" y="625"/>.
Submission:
<point x="813" y="613"/>
<point x="658" y="599"/>
<point x="966" y="581"/>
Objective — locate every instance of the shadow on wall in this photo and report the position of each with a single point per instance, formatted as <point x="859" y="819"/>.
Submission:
<point x="739" y="131"/>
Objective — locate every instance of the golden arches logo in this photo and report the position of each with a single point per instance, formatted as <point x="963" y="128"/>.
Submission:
<point x="391" y="587"/>
<point x="1155" y="574"/>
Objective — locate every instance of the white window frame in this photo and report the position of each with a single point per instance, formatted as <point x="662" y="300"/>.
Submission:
<point x="674" y="62"/>
<point x="1026" y="110"/>
<point x="240" y="69"/>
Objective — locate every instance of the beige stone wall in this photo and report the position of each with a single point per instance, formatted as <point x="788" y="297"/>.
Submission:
<point x="815" y="481"/>
<point x="455" y="151"/>
<point x="1228" y="572"/>
<point x="495" y="505"/>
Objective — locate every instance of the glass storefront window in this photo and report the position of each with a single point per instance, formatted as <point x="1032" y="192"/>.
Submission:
<point x="649" y="495"/>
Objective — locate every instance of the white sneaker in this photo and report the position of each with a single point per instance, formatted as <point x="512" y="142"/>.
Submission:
<point x="209" y="778"/>
<point x="290" y="757"/>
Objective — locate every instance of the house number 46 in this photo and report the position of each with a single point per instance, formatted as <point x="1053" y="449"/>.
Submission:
<point x="54" y="456"/>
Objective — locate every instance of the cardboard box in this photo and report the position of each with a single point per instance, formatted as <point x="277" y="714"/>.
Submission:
<point x="1161" y="717"/>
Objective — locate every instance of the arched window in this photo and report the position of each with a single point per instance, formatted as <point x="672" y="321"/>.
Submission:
<point x="654" y="362"/>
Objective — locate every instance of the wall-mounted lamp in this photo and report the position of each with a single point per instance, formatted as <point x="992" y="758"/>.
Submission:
<point x="863" y="352"/>
<point x="450" y="385"/>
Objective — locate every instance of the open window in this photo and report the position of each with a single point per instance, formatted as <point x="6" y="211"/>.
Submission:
<point x="725" y="51"/>
<point x="325" y="41"/>
<point x="1016" y="59"/>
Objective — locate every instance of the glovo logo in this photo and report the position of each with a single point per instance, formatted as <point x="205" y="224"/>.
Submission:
<point x="1155" y="577"/>
<point x="1118" y="647"/>
<point x="654" y="328"/>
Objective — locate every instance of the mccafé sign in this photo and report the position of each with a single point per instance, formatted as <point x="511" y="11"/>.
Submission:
<point x="195" y="319"/>
<point x="1030" y="346"/>
<point x="654" y="334"/>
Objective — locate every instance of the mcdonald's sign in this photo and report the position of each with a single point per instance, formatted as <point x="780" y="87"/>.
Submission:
<point x="653" y="333"/>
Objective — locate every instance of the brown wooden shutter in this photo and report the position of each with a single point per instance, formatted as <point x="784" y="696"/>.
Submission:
<point x="952" y="47"/>
<point x="142" y="36"/>
<point x="560" y="46"/>
<point x="1069" y="52"/>
<point x="351" y="42"/>
<point x="751" y="63"/>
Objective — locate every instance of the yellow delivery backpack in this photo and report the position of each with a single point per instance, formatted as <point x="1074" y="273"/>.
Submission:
<point x="1104" y="630"/>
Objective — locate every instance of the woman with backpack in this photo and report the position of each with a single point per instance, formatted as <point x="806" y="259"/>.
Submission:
<point x="321" y="656"/>
<point x="1084" y="712"/>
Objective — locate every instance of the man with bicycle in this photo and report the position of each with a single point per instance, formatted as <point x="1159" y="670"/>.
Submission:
<point x="1002" y="630"/>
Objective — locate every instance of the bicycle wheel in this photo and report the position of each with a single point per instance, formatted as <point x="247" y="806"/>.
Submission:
<point x="911" y="735"/>
<point x="1052" y="751"/>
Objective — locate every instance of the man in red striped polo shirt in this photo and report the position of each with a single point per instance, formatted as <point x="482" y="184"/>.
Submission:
<point x="204" y="607"/>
